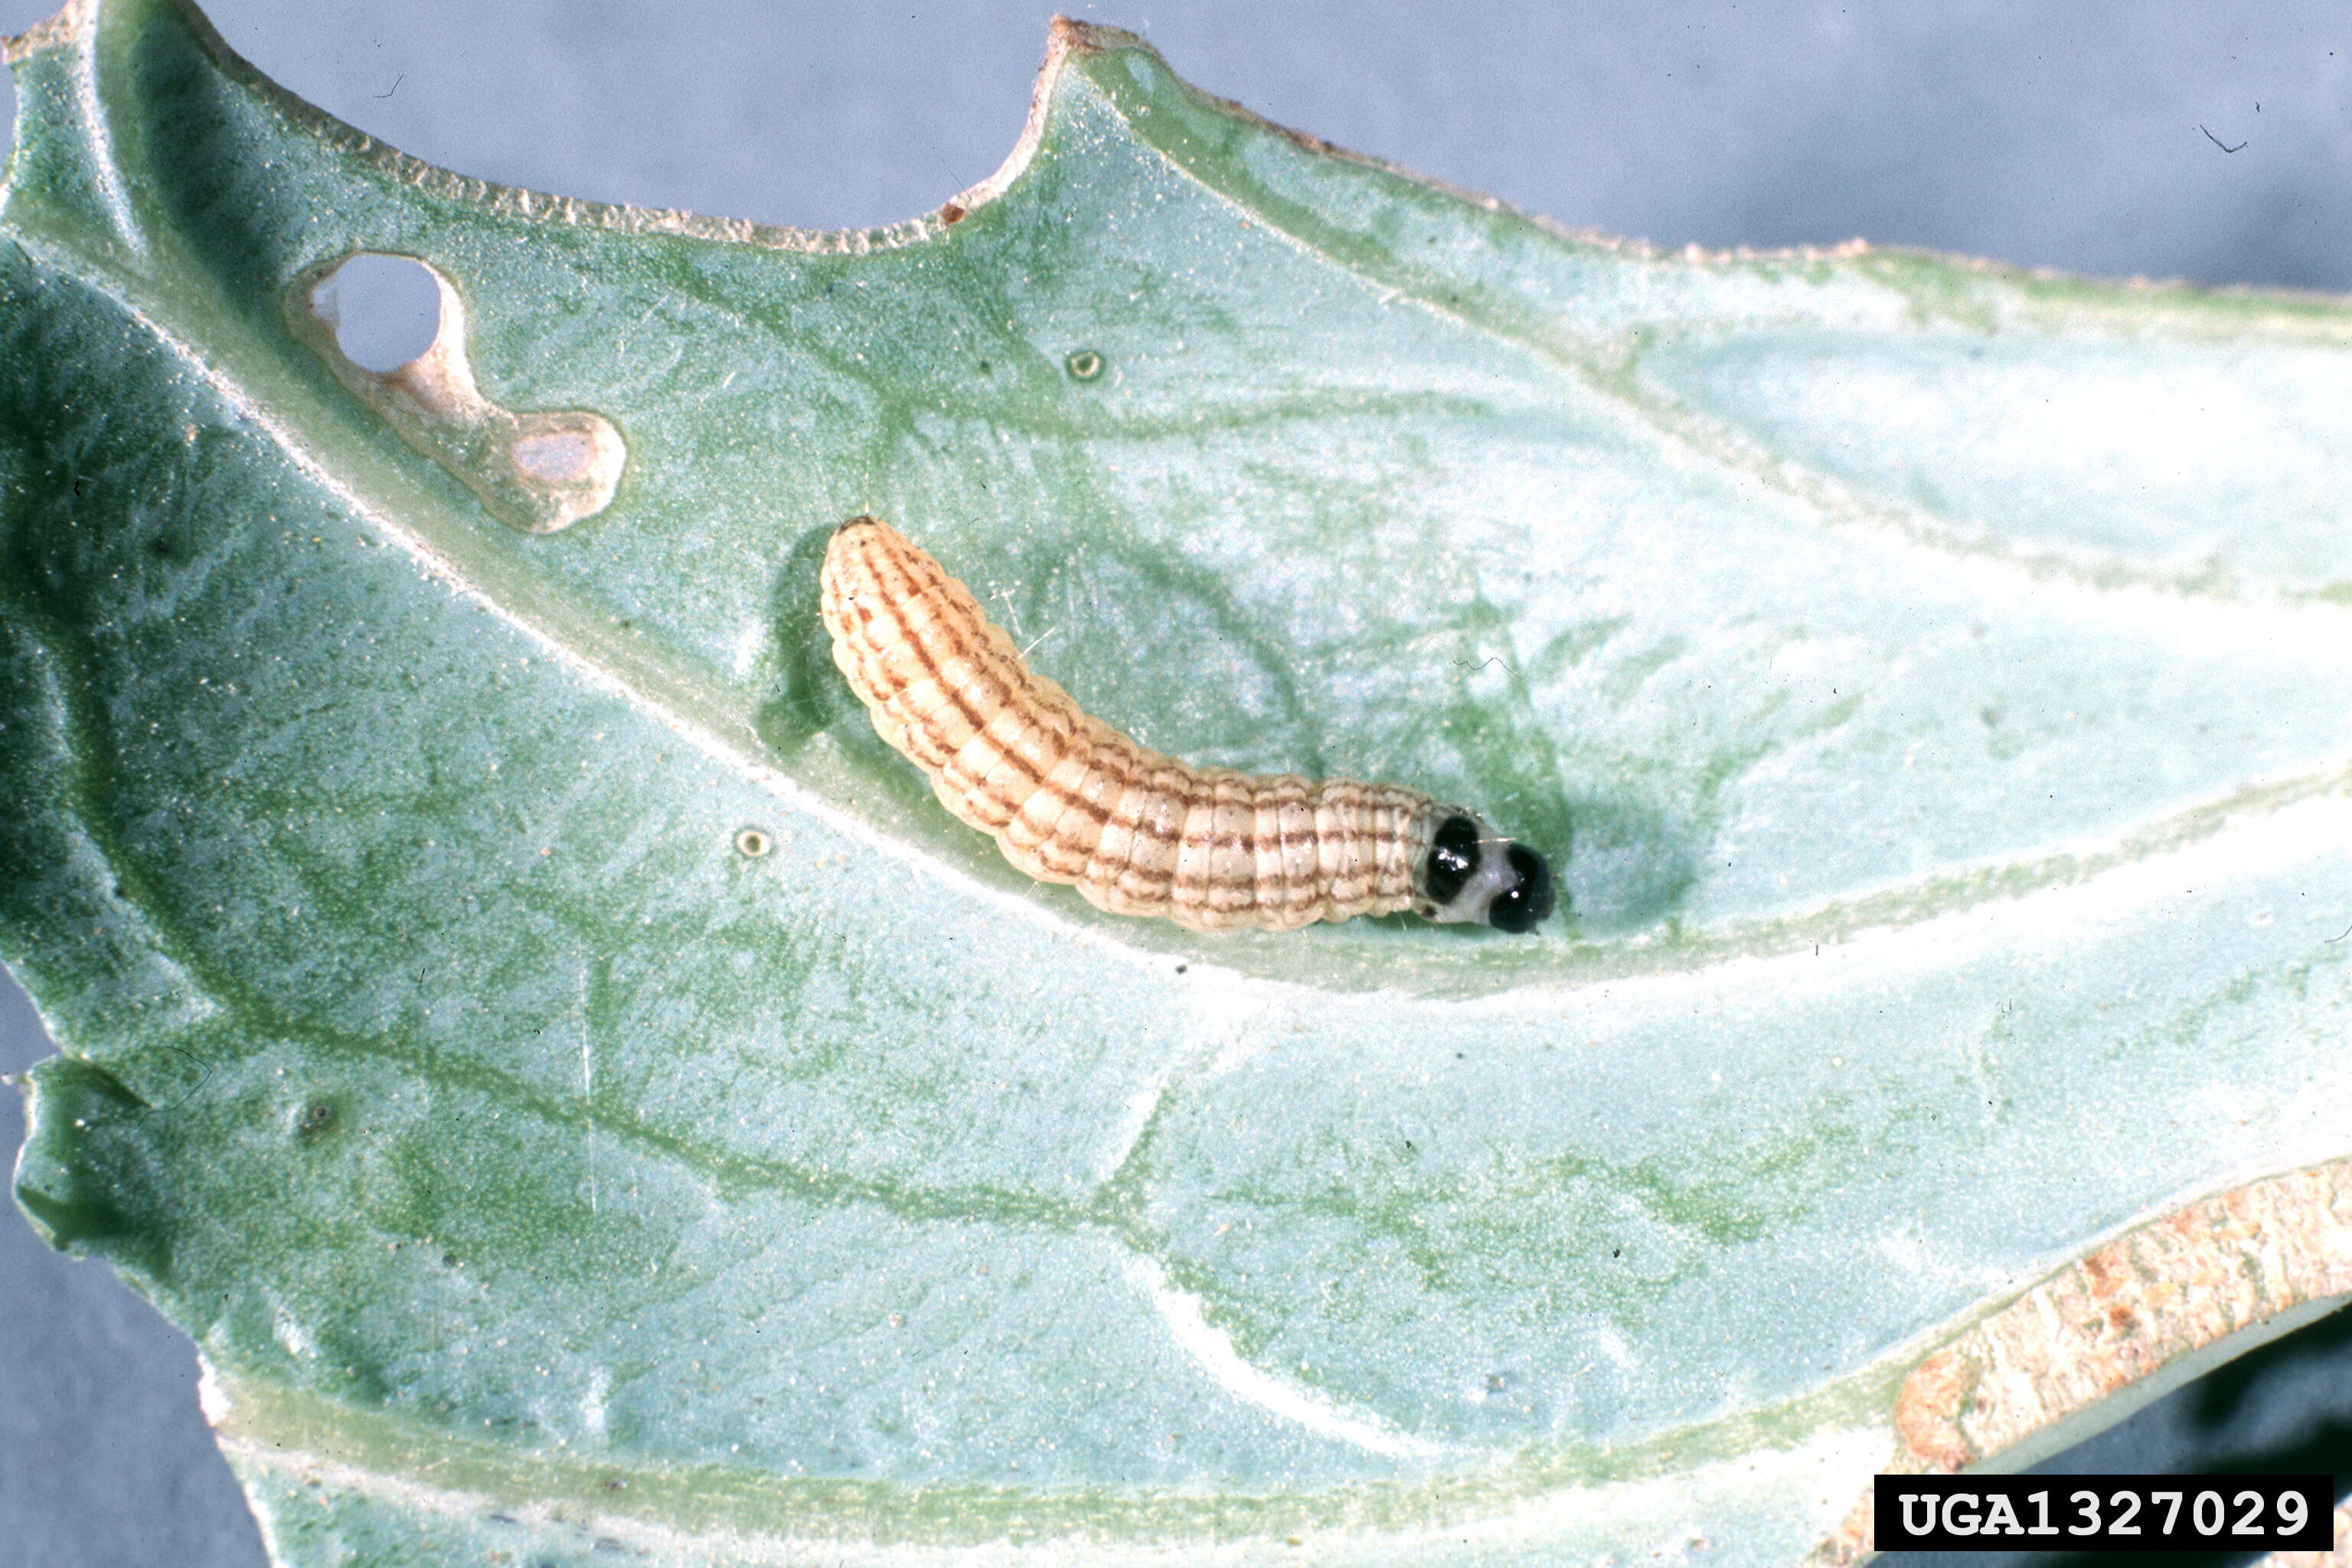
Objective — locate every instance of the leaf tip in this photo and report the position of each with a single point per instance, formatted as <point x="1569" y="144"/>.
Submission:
<point x="76" y="1183"/>
<point x="69" y="25"/>
<point x="1066" y="39"/>
<point x="1069" y="36"/>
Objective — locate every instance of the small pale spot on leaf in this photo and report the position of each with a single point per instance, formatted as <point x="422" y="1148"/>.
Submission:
<point x="561" y="457"/>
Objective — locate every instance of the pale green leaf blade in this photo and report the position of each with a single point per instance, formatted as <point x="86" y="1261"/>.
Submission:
<point x="1926" y="678"/>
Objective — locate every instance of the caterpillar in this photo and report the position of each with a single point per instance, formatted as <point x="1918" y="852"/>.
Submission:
<point x="1071" y="800"/>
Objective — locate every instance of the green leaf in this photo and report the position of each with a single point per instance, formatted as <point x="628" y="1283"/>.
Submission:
<point x="1927" y="677"/>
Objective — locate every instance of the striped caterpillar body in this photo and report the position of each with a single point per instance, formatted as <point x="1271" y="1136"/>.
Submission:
<point x="1069" y="799"/>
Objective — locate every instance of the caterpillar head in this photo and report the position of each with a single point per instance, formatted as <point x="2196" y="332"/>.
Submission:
<point x="1471" y="874"/>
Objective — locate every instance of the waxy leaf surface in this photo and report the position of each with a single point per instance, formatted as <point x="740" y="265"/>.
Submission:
<point x="1926" y="679"/>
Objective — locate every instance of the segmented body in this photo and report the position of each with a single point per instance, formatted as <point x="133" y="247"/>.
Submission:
<point x="1069" y="799"/>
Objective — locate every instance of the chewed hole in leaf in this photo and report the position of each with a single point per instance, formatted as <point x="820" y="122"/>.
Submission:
<point x="386" y="310"/>
<point x="392" y="330"/>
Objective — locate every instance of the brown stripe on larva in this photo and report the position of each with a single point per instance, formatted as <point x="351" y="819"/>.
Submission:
<point x="1069" y="799"/>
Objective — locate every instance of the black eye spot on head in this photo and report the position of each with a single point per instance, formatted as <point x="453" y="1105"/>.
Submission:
<point x="1452" y="858"/>
<point x="1527" y="900"/>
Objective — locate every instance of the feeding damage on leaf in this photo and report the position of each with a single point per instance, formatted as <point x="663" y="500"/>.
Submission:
<point x="539" y="472"/>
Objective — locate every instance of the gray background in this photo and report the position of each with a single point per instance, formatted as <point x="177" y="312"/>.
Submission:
<point x="2073" y="136"/>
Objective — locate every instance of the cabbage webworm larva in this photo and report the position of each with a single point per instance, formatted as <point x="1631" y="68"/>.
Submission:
<point x="1071" y="800"/>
